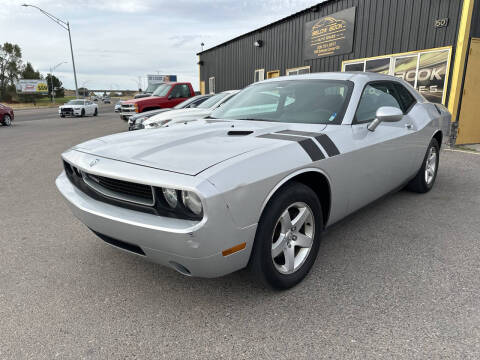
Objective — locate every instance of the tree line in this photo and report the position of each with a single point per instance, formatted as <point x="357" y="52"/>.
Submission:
<point x="12" y="69"/>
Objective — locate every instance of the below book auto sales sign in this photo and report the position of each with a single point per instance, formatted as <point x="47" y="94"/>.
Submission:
<point x="330" y="35"/>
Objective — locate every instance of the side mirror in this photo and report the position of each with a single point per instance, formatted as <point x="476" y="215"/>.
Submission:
<point x="385" y="114"/>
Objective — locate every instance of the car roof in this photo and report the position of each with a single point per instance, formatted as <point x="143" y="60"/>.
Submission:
<point x="348" y="75"/>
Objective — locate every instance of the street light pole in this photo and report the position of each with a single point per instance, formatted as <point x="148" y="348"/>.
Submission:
<point x="66" y="26"/>
<point x="51" y="78"/>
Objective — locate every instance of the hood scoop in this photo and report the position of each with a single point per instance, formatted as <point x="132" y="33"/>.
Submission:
<point x="239" y="132"/>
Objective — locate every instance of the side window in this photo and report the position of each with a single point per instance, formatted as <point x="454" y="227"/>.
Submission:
<point x="180" y="91"/>
<point x="405" y="97"/>
<point x="375" y="95"/>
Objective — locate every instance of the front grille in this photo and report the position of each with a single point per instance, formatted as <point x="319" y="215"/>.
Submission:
<point x="116" y="189"/>
<point x="124" y="187"/>
<point x="67" y="111"/>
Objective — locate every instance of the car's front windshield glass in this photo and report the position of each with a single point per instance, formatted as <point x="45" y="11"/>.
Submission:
<point x="291" y="101"/>
<point x="162" y="90"/>
<point x="186" y="103"/>
<point x="76" y="102"/>
<point x="151" y="88"/>
<point x="207" y="104"/>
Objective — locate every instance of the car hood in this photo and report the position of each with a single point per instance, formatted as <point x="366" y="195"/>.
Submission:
<point x="186" y="149"/>
<point x="179" y="114"/>
<point x="145" y="100"/>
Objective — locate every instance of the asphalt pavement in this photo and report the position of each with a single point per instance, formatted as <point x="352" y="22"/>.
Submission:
<point x="52" y="112"/>
<point x="398" y="279"/>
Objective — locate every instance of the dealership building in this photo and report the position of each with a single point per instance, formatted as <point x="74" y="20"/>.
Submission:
<point x="432" y="44"/>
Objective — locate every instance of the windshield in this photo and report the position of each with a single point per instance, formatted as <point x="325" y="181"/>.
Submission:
<point x="187" y="102"/>
<point x="76" y="102"/>
<point x="151" y="88"/>
<point x="162" y="90"/>
<point x="207" y="104"/>
<point x="292" y="101"/>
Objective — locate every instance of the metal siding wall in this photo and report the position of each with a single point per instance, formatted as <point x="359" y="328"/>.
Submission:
<point x="476" y="19"/>
<point x="382" y="27"/>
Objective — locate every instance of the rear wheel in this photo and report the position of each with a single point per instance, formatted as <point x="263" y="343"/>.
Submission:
<point x="288" y="237"/>
<point x="7" y="120"/>
<point x="425" y="178"/>
<point x="95" y="113"/>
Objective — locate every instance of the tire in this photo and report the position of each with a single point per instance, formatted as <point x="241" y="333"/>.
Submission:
<point x="95" y="113"/>
<point x="7" y="120"/>
<point x="62" y="116"/>
<point x="425" y="178"/>
<point x="83" y="113"/>
<point x="276" y="233"/>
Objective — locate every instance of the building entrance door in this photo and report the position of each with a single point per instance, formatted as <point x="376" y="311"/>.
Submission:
<point x="469" y="121"/>
<point x="273" y="74"/>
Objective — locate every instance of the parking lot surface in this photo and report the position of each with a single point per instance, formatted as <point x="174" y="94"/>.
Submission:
<point x="398" y="279"/>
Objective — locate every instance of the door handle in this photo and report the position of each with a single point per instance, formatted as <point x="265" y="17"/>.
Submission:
<point x="408" y="126"/>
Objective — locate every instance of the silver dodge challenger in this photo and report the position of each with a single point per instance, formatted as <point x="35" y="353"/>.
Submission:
<point x="257" y="182"/>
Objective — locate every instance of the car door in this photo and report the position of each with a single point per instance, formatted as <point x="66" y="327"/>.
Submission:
<point x="382" y="159"/>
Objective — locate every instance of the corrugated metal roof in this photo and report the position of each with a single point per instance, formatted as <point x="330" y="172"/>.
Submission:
<point x="311" y="8"/>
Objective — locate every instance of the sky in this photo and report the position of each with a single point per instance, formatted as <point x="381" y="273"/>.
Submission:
<point x="118" y="42"/>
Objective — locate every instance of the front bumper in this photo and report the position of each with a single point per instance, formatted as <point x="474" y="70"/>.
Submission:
<point x="70" y="112"/>
<point x="196" y="246"/>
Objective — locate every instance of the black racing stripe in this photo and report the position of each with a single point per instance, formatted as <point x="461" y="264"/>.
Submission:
<point x="328" y="145"/>
<point x="324" y="140"/>
<point x="307" y="144"/>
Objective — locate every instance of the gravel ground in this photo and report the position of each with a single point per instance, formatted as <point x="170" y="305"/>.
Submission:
<point x="398" y="279"/>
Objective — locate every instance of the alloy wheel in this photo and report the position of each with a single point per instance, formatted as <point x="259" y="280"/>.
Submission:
<point x="431" y="165"/>
<point x="292" y="237"/>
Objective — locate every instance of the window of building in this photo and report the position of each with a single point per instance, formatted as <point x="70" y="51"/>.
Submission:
<point x="360" y="66"/>
<point x="374" y="96"/>
<point x="259" y="75"/>
<point x="299" y="70"/>
<point x="211" y="85"/>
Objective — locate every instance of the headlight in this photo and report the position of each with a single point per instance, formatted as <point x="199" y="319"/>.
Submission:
<point x="180" y="204"/>
<point x="171" y="197"/>
<point x="192" y="202"/>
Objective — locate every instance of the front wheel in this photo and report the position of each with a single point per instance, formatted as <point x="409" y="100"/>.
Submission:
<point x="288" y="237"/>
<point x="425" y="178"/>
<point x="83" y="113"/>
<point x="7" y="120"/>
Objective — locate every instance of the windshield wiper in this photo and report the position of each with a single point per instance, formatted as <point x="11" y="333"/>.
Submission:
<point x="254" y="119"/>
<point x="209" y="117"/>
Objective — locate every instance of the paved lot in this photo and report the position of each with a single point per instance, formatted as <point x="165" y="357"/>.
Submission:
<point x="399" y="279"/>
<point x="49" y="113"/>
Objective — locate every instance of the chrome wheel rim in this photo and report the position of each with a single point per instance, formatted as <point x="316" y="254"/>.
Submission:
<point x="8" y="121"/>
<point x="292" y="238"/>
<point x="431" y="165"/>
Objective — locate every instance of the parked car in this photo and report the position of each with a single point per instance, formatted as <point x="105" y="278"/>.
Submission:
<point x="78" y="107"/>
<point x="6" y="115"/>
<point x="94" y="98"/>
<point x="135" y="122"/>
<point x="106" y="100"/>
<point x="165" y="96"/>
<point x="118" y="106"/>
<point x="189" y="114"/>
<point x="257" y="182"/>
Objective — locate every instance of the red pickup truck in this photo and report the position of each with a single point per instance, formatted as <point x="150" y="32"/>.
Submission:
<point x="165" y="96"/>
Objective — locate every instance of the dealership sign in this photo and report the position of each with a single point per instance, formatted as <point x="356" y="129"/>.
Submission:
<point x="25" y="86"/>
<point x="330" y="35"/>
<point x="425" y="70"/>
